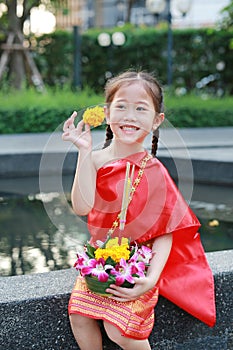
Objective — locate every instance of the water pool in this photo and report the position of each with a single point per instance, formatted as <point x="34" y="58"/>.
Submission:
<point x="31" y="243"/>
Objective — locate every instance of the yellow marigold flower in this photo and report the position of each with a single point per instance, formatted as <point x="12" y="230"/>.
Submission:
<point x="115" y="252"/>
<point x="101" y="253"/>
<point x="120" y="252"/>
<point x="113" y="242"/>
<point x="94" y="116"/>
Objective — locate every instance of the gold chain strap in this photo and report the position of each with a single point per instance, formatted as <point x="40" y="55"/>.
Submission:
<point x="144" y="161"/>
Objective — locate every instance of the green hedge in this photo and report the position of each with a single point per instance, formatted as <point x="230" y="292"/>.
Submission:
<point x="197" y="111"/>
<point x="199" y="117"/>
<point x="32" y="119"/>
<point x="44" y="116"/>
<point x="49" y="120"/>
<point x="30" y="111"/>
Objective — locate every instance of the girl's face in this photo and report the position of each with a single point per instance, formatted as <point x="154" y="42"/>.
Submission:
<point x="131" y="114"/>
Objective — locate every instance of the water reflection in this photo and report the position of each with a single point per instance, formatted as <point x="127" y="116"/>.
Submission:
<point x="31" y="242"/>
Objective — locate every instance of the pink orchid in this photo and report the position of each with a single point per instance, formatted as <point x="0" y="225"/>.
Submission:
<point x="135" y="257"/>
<point x="138" y="268"/>
<point x="123" y="272"/>
<point x="145" y="254"/>
<point x="82" y="260"/>
<point x="97" y="268"/>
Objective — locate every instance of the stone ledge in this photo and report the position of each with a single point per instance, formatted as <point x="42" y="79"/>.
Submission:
<point x="53" y="163"/>
<point x="33" y="313"/>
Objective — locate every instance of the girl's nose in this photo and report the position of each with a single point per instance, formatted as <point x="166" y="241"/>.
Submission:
<point x="130" y="113"/>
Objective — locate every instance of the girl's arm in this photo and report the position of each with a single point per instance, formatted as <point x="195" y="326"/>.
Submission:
<point x="161" y="250"/>
<point x="84" y="185"/>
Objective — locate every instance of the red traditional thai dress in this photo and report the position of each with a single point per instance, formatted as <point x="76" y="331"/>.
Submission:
<point x="157" y="208"/>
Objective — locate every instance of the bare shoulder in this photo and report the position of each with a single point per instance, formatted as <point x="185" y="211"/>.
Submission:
<point x="101" y="157"/>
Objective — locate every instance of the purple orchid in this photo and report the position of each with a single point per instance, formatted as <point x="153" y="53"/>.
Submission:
<point x="138" y="268"/>
<point x="82" y="260"/>
<point x="145" y="254"/>
<point x="123" y="272"/>
<point x="97" y="268"/>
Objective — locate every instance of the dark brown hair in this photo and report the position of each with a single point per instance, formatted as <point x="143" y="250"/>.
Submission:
<point x="152" y="87"/>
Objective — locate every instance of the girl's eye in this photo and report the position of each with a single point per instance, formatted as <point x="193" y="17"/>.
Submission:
<point x="141" y="109"/>
<point x="120" y="106"/>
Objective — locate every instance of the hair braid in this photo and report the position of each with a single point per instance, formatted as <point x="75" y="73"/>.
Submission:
<point x="109" y="136"/>
<point x="155" y="140"/>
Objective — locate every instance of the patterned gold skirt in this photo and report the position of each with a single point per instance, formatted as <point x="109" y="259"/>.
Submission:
<point x="135" y="319"/>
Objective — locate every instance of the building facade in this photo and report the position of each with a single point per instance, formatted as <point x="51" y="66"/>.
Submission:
<point x="101" y="13"/>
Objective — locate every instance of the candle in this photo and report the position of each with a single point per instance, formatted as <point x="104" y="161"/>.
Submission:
<point x="126" y="194"/>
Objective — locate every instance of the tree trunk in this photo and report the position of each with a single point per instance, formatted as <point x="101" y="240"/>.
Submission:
<point x="17" y="67"/>
<point x="129" y="7"/>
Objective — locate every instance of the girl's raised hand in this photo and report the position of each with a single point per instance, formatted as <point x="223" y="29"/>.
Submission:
<point x="79" y="135"/>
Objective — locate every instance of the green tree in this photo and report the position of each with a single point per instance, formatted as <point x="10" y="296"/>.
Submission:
<point x="227" y="20"/>
<point x="12" y="27"/>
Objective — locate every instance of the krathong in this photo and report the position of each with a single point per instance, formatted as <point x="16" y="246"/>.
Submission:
<point x="112" y="262"/>
<point x="94" y="116"/>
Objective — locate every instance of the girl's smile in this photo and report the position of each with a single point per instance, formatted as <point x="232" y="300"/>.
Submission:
<point x="127" y="128"/>
<point x="131" y="114"/>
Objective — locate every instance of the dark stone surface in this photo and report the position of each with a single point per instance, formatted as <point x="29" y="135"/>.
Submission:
<point x="33" y="164"/>
<point x="204" y="171"/>
<point x="33" y="314"/>
<point x="176" y="330"/>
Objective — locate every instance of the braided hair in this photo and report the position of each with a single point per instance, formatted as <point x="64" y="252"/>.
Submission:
<point x="109" y="136"/>
<point x="152" y="87"/>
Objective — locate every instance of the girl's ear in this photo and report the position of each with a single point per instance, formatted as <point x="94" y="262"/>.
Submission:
<point x="107" y="114"/>
<point x="159" y="118"/>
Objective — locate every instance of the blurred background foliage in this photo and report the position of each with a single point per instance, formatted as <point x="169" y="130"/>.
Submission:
<point x="202" y="76"/>
<point x="197" y="54"/>
<point x="27" y="111"/>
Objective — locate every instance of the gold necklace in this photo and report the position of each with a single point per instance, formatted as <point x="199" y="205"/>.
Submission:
<point x="137" y="181"/>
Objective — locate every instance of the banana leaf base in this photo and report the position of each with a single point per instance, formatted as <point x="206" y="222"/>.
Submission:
<point x="98" y="287"/>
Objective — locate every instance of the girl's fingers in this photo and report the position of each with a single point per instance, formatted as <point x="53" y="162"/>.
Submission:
<point x="69" y="123"/>
<point x="79" y="135"/>
<point x="65" y="134"/>
<point x="66" y="125"/>
<point x="119" y="291"/>
<point x="80" y="126"/>
<point x="87" y="127"/>
<point x="74" y="114"/>
<point x="72" y="118"/>
<point x="122" y="298"/>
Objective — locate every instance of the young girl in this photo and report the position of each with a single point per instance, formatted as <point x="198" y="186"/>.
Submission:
<point x="157" y="215"/>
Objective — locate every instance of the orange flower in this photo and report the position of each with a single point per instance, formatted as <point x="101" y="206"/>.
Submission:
<point x="94" y="116"/>
<point x="114" y="250"/>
